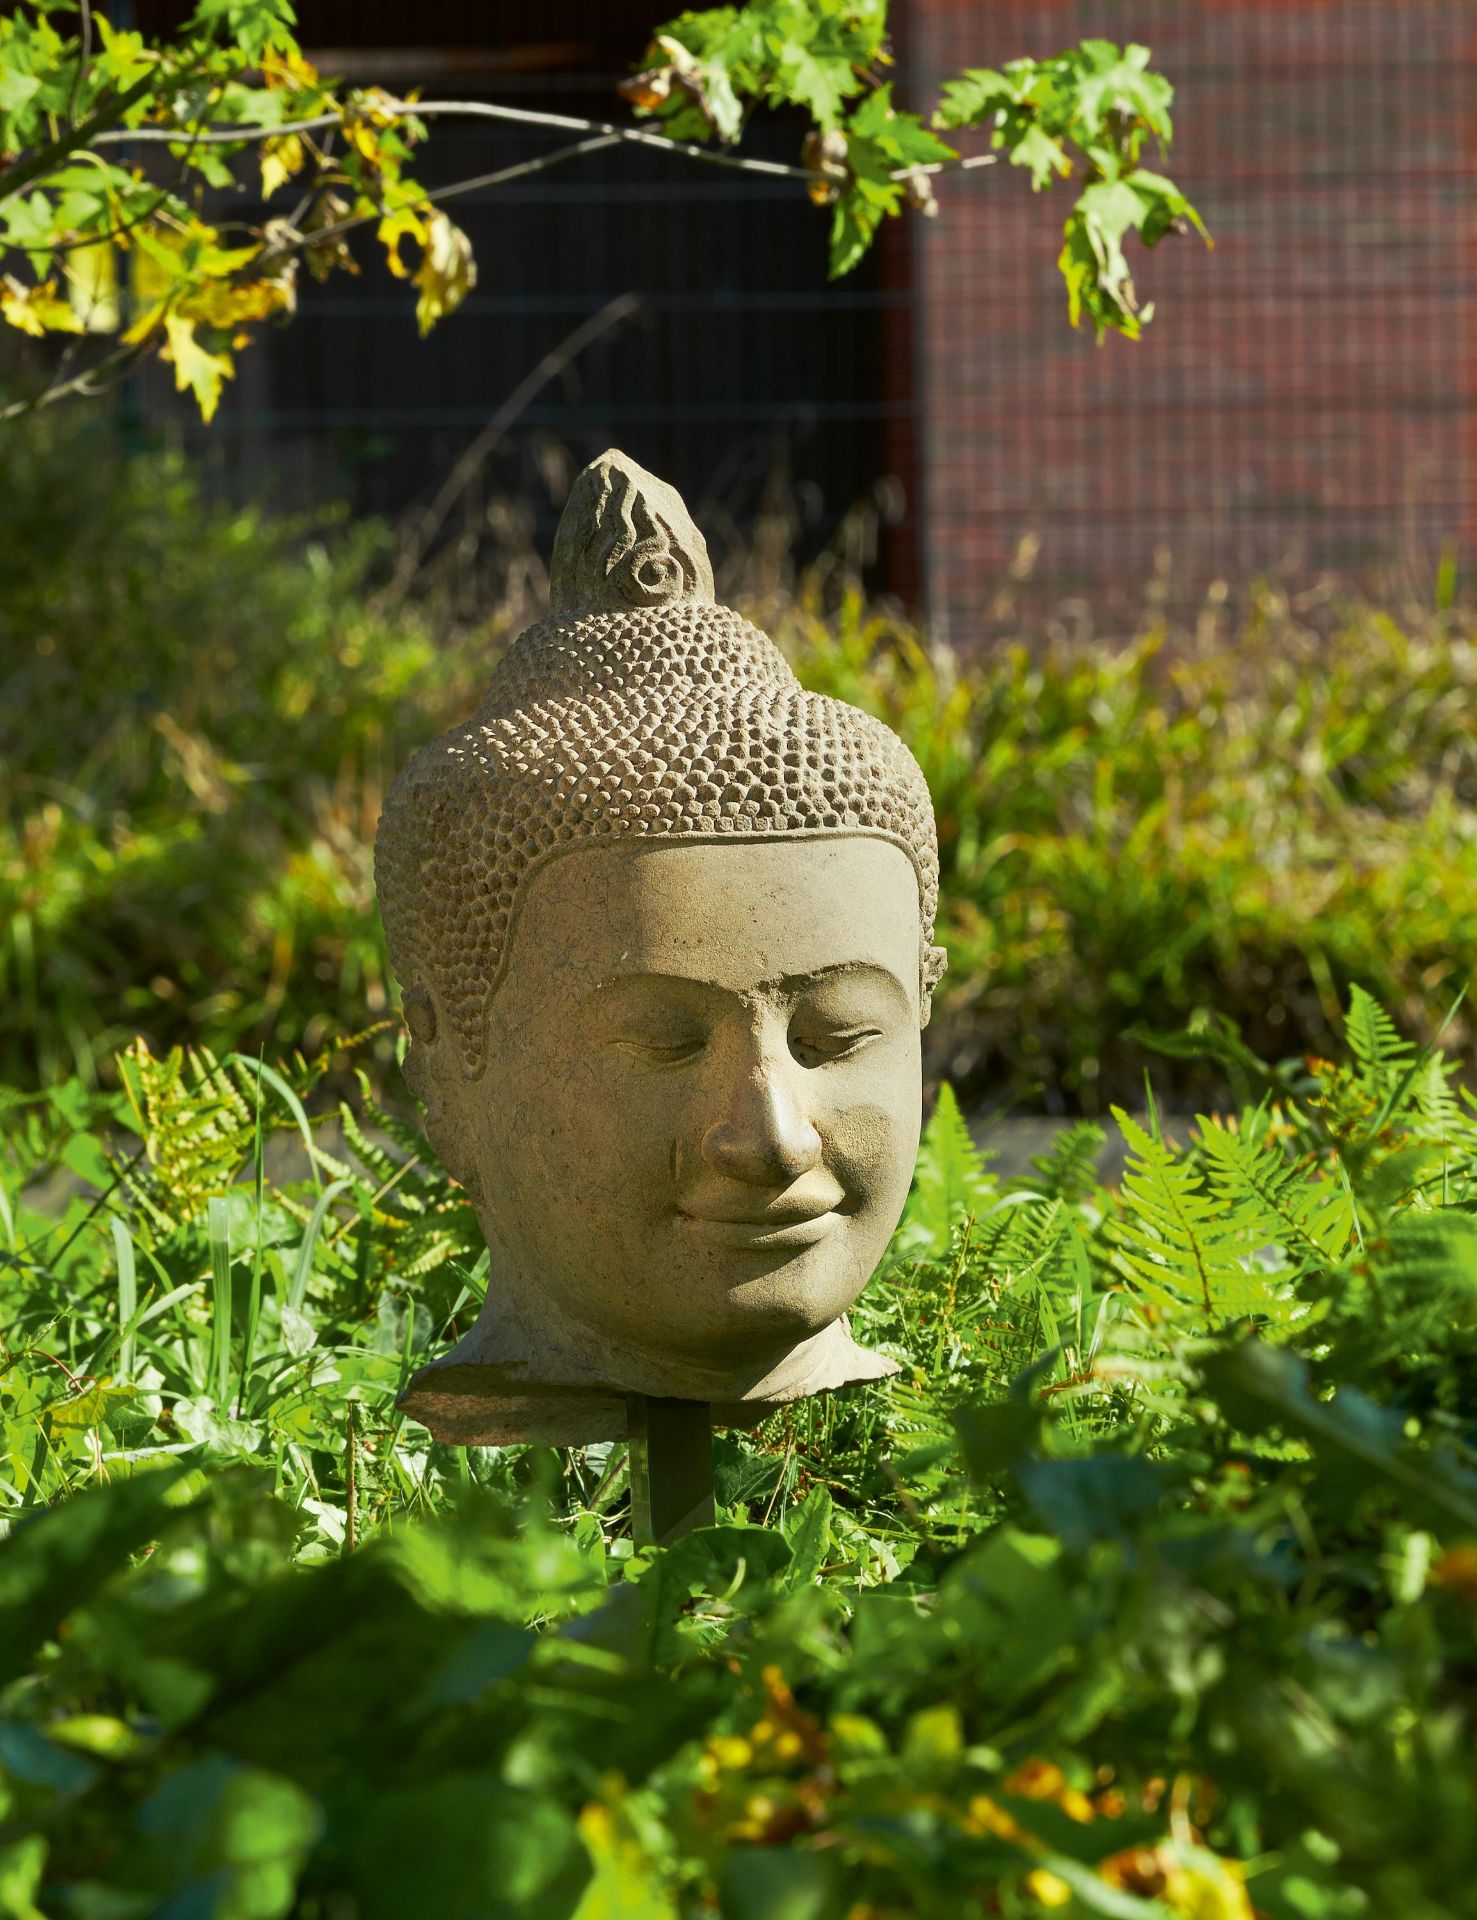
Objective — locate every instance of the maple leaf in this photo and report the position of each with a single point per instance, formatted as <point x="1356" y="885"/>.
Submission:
<point x="196" y="369"/>
<point x="36" y="310"/>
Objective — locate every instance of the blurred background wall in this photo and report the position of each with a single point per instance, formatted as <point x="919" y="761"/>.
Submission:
<point x="1304" y="405"/>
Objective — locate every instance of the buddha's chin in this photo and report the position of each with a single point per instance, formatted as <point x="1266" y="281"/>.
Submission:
<point x="785" y="1303"/>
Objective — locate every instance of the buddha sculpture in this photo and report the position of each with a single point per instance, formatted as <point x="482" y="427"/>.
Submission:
<point x="663" y="921"/>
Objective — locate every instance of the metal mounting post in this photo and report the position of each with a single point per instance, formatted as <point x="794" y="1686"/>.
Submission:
<point x="671" y="1467"/>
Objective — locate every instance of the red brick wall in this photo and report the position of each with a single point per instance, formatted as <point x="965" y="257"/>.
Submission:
<point x="1305" y="401"/>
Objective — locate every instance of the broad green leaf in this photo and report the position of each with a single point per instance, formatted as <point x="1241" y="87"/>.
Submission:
<point x="967" y="100"/>
<point x="221" y="1838"/>
<point x="780" y="1883"/>
<point x="1262" y="1386"/>
<point x="809" y="1535"/>
<point x="16" y="89"/>
<point x="464" y="1846"/>
<point x="22" y="1867"/>
<point x="52" y="1563"/>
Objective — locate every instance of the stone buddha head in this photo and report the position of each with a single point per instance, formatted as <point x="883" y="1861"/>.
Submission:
<point x="663" y="920"/>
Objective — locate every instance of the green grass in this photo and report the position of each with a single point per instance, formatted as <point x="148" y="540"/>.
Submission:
<point x="201" y="707"/>
<point x="1148" y="1586"/>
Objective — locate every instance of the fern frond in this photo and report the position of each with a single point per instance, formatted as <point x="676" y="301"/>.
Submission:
<point x="409" y="1139"/>
<point x="1310" y="1218"/>
<point x="1069" y="1170"/>
<point x="379" y="1165"/>
<point x="1380" y="1049"/>
<point x="950" y="1183"/>
<point x="1174" y="1242"/>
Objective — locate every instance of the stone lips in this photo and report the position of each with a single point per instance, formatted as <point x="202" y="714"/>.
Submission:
<point x="681" y="721"/>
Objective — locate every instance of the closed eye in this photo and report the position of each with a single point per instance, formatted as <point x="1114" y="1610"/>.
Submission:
<point x="819" y="1049"/>
<point x="661" y="1053"/>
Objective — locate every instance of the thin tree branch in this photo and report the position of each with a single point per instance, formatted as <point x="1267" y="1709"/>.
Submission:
<point x="85" y="382"/>
<point x="299" y="241"/>
<point x="528" y="117"/>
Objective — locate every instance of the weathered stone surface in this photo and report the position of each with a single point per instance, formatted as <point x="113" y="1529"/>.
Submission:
<point x="664" y="924"/>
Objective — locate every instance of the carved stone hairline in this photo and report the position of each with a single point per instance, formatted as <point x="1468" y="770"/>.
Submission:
<point x="419" y="1001"/>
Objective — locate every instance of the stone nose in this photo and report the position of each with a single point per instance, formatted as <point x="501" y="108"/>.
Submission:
<point x="764" y="1135"/>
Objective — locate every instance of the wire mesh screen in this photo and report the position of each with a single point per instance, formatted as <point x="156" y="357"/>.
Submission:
<point x="1303" y="405"/>
<point x="1305" y="401"/>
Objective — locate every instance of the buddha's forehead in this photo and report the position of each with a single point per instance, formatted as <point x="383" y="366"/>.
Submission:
<point x="737" y="914"/>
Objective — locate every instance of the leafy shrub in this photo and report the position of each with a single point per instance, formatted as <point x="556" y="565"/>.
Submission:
<point x="1148" y="1587"/>
<point x="1136" y="837"/>
<point x="200" y="709"/>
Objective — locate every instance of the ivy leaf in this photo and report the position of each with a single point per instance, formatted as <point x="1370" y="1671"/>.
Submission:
<point x="196" y="369"/>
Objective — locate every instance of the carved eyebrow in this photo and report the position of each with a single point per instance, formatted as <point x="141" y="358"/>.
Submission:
<point x="789" y="983"/>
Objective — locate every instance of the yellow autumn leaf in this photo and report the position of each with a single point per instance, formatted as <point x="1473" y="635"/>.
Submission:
<point x="92" y="287"/>
<point x="196" y="369"/>
<point x="171" y="267"/>
<point x="403" y="224"/>
<point x="37" y="310"/>
<point x="282" y="157"/>
<point x="447" y="272"/>
<point x="288" y="70"/>
<point x="228" y="303"/>
<point x="1207" y="1888"/>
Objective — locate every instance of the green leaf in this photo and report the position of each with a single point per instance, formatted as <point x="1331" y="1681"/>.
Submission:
<point x="1261" y="1386"/>
<point x="16" y="89"/>
<point x="22" y="1865"/>
<point x="1043" y="157"/>
<point x="50" y="1565"/>
<point x="853" y="225"/>
<point x="950" y="1183"/>
<point x="809" y="1534"/>
<point x="780" y="1884"/>
<point x="220" y="1838"/>
<point x="820" y="83"/>
<point x="463" y="1846"/>
<point x="901" y="138"/>
<point x="1101" y="1498"/>
<point x="966" y="101"/>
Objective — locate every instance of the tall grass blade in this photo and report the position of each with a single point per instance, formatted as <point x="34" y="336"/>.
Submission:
<point x="297" y="1291"/>
<point x="254" y="1298"/>
<point x="218" y="1230"/>
<point x="289" y="1099"/>
<point x="127" y="1297"/>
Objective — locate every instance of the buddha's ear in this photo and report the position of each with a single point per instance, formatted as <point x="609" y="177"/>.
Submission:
<point x="933" y="964"/>
<point x="432" y="1072"/>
